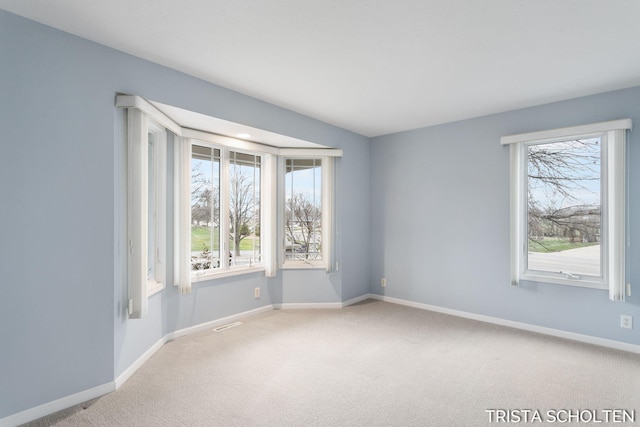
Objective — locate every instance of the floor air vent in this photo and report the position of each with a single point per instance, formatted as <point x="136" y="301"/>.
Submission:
<point x="227" y="326"/>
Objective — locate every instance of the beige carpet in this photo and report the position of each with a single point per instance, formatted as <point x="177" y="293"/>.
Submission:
<point x="370" y="364"/>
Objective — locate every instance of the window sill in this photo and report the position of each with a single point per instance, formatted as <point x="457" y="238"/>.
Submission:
<point x="582" y="283"/>
<point x="302" y="266"/>
<point x="154" y="287"/>
<point x="202" y="277"/>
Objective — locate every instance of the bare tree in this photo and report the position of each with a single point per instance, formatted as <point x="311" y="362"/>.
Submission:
<point x="303" y="225"/>
<point x="243" y="209"/>
<point x="204" y="199"/>
<point x="563" y="191"/>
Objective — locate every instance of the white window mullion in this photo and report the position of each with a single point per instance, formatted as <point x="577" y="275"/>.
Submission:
<point x="212" y="212"/>
<point x="225" y="204"/>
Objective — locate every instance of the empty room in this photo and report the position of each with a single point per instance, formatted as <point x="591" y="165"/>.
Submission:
<point x="305" y="213"/>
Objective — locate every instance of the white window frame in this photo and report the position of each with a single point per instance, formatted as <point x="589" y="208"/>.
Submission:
<point x="225" y="270"/>
<point x="613" y="195"/>
<point x="141" y="286"/>
<point x="327" y="207"/>
<point x="157" y="283"/>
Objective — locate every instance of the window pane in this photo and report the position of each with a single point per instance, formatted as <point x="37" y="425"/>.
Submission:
<point x="303" y="219"/>
<point x="564" y="207"/>
<point x="205" y="208"/>
<point x="244" y="209"/>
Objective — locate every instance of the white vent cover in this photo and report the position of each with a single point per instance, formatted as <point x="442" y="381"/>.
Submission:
<point x="227" y="326"/>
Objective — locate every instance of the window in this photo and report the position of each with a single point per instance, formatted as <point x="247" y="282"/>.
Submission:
<point x="303" y="210"/>
<point x="307" y="212"/>
<point x="225" y="195"/>
<point x="146" y="218"/>
<point x="568" y="206"/>
<point x="205" y="208"/>
<point x="564" y="208"/>
<point x="244" y="209"/>
<point x="156" y="206"/>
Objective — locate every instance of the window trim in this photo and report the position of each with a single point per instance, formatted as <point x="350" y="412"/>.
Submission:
<point x="157" y="283"/>
<point x="596" y="282"/>
<point x="613" y="199"/>
<point x="327" y="204"/>
<point x="226" y="271"/>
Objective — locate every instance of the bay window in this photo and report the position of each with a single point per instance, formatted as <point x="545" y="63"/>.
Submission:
<point x="238" y="206"/>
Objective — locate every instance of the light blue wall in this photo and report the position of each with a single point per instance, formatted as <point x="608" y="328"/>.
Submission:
<point x="440" y="219"/>
<point x="57" y="227"/>
<point x="62" y="255"/>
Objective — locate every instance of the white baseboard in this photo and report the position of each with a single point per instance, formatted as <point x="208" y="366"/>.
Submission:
<point x="56" y="405"/>
<point x="603" y="342"/>
<point x="307" y="305"/>
<point x="74" y="399"/>
<point x="123" y="377"/>
<point x="319" y="305"/>
<point x="68" y="401"/>
<point x="356" y="300"/>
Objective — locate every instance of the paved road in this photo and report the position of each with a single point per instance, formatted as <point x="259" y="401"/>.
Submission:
<point x="581" y="261"/>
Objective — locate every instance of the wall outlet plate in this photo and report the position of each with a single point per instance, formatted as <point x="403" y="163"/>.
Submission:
<point x="626" y="321"/>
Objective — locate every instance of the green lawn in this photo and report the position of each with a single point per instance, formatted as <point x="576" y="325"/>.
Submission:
<point x="200" y="237"/>
<point x="555" y="244"/>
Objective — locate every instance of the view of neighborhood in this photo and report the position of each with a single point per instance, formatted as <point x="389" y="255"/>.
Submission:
<point x="241" y="205"/>
<point x="303" y="219"/>
<point x="564" y="207"/>
<point x="303" y="209"/>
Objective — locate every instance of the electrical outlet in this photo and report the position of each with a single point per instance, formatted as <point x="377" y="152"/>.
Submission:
<point x="383" y="282"/>
<point x="626" y="321"/>
<point x="256" y="293"/>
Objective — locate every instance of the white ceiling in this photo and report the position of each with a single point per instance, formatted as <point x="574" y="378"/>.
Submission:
<point x="373" y="66"/>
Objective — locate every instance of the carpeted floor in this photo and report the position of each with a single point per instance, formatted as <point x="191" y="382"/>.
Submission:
<point x="370" y="364"/>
